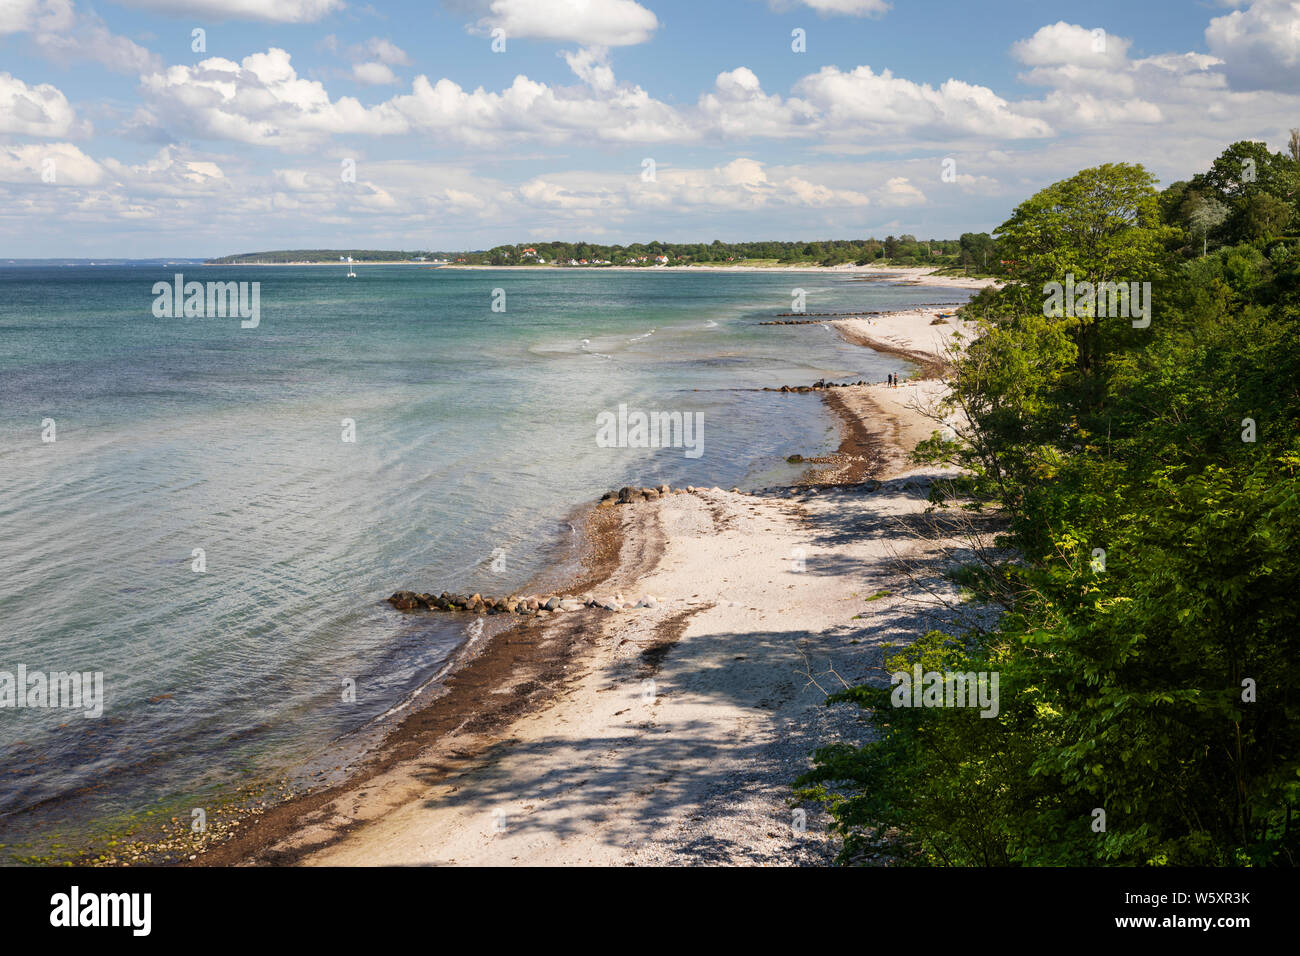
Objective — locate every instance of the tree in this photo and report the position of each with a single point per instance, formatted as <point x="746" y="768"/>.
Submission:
<point x="1206" y="214"/>
<point x="1100" y="225"/>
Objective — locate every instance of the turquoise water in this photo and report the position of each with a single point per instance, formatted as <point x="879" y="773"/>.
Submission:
<point x="475" y="439"/>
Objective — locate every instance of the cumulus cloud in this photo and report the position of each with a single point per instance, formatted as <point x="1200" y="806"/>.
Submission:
<point x="383" y="51"/>
<point x="738" y="107"/>
<point x="601" y="23"/>
<point x="260" y="100"/>
<point x="58" y="164"/>
<point x="899" y="191"/>
<point x="40" y="110"/>
<point x="1068" y="44"/>
<point x="881" y="104"/>
<point x="528" y="109"/>
<point x="267" y="11"/>
<point x="855" y="8"/>
<point x="373" y="74"/>
<point x="1259" y="46"/>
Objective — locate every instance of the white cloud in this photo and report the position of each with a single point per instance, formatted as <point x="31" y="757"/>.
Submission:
<point x="171" y="172"/>
<point x="385" y="51"/>
<point x="268" y="11"/>
<point x="66" y="37"/>
<point x="528" y="109"/>
<point x="899" y="191"/>
<point x="260" y="100"/>
<point x="738" y="107"/>
<point x="22" y="16"/>
<point x="1068" y="44"/>
<point x="867" y="103"/>
<point x="601" y="23"/>
<point x="40" y="110"/>
<point x="373" y="74"/>
<point x="1260" y="46"/>
<point x="64" y="162"/>
<point x="855" y="8"/>
<point x="91" y="40"/>
<point x="591" y="65"/>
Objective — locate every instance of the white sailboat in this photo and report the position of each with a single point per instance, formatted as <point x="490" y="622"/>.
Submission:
<point x="351" y="272"/>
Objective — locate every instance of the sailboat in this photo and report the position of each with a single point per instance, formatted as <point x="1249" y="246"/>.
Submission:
<point x="351" y="272"/>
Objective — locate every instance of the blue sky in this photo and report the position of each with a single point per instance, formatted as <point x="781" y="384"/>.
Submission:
<point x="116" y="138"/>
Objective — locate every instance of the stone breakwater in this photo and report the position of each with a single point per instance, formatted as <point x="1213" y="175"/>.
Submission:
<point x="819" y="386"/>
<point x="529" y="605"/>
<point x="534" y="605"/>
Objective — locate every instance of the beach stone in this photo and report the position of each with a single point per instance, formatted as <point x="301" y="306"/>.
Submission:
<point x="664" y="490"/>
<point x="625" y="494"/>
<point x="552" y="604"/>
<point x="652" y="495"/>
<point x="405" y="600"/>
<point x="647" y="601"/>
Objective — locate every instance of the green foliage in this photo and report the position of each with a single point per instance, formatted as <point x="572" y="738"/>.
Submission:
<point x="1163" y="685"/>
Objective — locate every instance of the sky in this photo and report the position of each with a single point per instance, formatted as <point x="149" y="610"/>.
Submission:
<point x="186" y="128"/>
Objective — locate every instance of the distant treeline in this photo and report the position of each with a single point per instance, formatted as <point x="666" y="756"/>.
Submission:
<point x="973" y="252"/>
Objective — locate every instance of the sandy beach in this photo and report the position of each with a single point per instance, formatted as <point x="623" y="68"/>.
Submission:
<point x="670" y="734"/>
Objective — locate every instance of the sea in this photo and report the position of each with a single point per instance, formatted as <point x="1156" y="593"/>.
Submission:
<point x="210" y="516"/>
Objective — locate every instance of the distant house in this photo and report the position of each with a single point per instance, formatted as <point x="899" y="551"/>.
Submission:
<point x="662" y="260"/>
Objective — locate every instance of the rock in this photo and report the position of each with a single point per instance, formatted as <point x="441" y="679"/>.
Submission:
<point x="652" y="495"/>
<point x="609" y="496"/>
<point x="664" y="490"/>
<point x="405" y="600"/>
<point x="552" y="604"/>
<point x="647" y="601"/>
<point x="795" y="459"/>
<point x="625" y="494"/>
